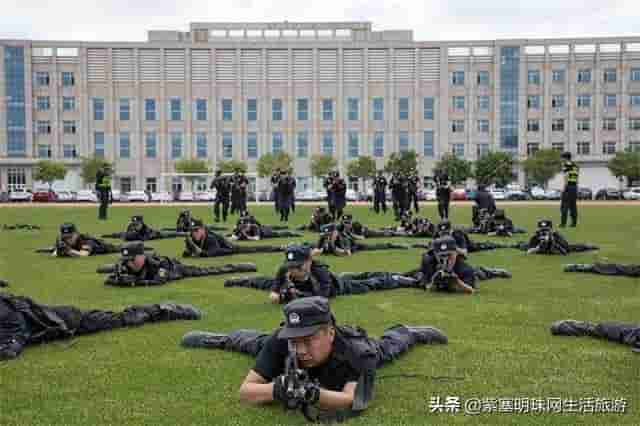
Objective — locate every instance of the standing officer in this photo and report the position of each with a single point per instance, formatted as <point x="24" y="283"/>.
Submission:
<point x="443" y="193"/>
<point x="570" y="193"/>
<point x="339" y="189"/>
<point x="380" y="193"/>
<point x="103" y="189"/>
<point x="414" y="182"/>
<point x="284" y="195"/>
<point x="223" y="187"/>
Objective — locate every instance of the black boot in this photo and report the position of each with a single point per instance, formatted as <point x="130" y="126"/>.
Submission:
<point x="204" y="339"/>
<point x="237" y="282"/>
<point x="573" y="328"/>
<point x="173" y="311"/>
<point x="576" y="267"/>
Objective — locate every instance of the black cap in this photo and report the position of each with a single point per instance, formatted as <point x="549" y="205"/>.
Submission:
<point x="137" y="218"/>
<point x="445" y="225"/>
<point x="67" y="228"/>
<point x="132" y="249"/>
<point x="347" y="217"/>
<point x="195" y="224"/>
<point x="296" y="255"/>
<point x="545" y="223"/>
<point x="444" y="245"/>
<point x="305" y="316"/>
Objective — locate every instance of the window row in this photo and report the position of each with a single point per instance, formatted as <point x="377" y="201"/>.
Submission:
<point x="585" y="147"/>
<point x="43" y="79"/>
<point x="583" y="75"/>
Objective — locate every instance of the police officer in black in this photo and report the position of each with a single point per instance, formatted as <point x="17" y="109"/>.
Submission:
<point x="275" y="178"/>
<point x="615" y="331"/>
<point x="400" y="193"/>
<point x="464" y="243"/>
<point x="337" y="363"/>
<point x="443" y="192"/>
<point x="137" y="230"/>
<point x="548" y="241"/>
<point x="239" y="187"/>
<point x="380" y="193"/>
<point x="24" y="322"/>
<point x="606" y="269"/>
<point x="336" y="194"/>
<point x="569" y="205"/>
<point x="222" y="185"/>
<point x="414" y="183"/>
<point x="71" y="243"/>
<point x="103" y="190"/>
<point x="285" y="191"/>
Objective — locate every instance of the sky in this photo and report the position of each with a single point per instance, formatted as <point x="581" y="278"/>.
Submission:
<point x="129" y="20"/>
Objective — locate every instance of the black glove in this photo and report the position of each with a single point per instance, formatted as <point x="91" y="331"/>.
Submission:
<point x="280" y="385"/>
<point x="311" y="393"/>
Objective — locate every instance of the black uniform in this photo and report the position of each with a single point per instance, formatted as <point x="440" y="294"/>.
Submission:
<point x="275" y="178"/>
<point x="336" y="237"/>
<point x="380" y="194"/>
<point x="463" y="241"/>
<point x="400" y="194"/>
<point x="213" y="245"/>
<point x="239" y="186"/>
<point x="570" y="194"/>
<point x="222" y="185"/>
<point x="548" y="241"/>
<point x="103" y="191"/>
<point x="248" y="231"/>
<point x="414" y="182"/>
<point x="606" y="269"/>
<point x="336" y="196"/>
<point x="443" y="194"/>
<point x="93" y="245"/>
<point x="285" y="191"/>
<point x="319" y="218"/>
<point x="615" y="331"/>
<point x="137" y="230"/>
<point x="24" y="322"/>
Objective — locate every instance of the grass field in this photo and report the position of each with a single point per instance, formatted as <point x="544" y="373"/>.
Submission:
<point x="499" y="340"/>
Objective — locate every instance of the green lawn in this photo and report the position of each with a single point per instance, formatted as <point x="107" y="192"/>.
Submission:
<point x="499" y="340"/>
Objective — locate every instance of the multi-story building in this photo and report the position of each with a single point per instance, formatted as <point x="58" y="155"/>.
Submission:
<point x="237" y="91"/>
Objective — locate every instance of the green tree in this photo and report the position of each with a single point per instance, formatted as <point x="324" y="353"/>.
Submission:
<point x="48" y="171"/>
<point x="542" y="166"/>
<point x="231" y="166"/>
<point x="321" y="165"/>
<point x="458" y="169"/>
<point x="89" y="168"/>
<point x="269" y="163"/>
<point x="401" y="162"/>
<point x="625" y="164"/>
<point x="363" y="168"/>
<point x="494" y="168"/>
<point x="192" y="166"/>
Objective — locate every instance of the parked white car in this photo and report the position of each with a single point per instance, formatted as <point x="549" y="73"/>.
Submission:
<point x="205" y="196"/>
<point x="116" y="195"/>
<point x="351" y="195"/>
<point x="429" y="194"/>
<point x="552" y="194"/>
<point x="632" y="194"/>
<point x="139" y="196"/>
<point x="65" y="196"/>
<point x="538" y="193"/>
<point x="498" y="194"/>
<point x="186" y="196"/>
<point x="161" y="197"/>
<point x="85" y="195"/>
<point x="20" y="195"/>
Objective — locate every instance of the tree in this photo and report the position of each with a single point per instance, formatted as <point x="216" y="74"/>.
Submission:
<point x="543" y="165"/>
<point x="48" y="171"/>
<point x="269" y="163"/>
<point x="89" y="168"/>
<point x="192" y="166"/>
<point x="231" y="166"/>
<point x="401" y="162"/>
<point x="458" y="169"/>
<point x="625" y="164"/>
<point x="494" y="168"/>
<point x="321" y="165"/>
<point x="363" y="168"/>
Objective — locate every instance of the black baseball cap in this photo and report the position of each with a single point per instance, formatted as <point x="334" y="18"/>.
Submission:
<point x="347" y="217"/>
<point x="545" y="223"/>
<point x="195" y="224"/>
<point x="444" y="245"/>
<point x="305" y="316"/>
<point x="67" y="228"/>
<point x="296" y="255"/>
<point x="132" y="249"/>
<point x="137" y="218"/>
<point x="445" y="225"/>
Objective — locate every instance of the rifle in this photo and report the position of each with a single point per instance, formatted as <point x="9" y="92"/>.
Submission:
<point x="193" y="247"/>
<point x="296" y="380"/>
<point x="286" y="295"/>
<point x="443" y="277"/>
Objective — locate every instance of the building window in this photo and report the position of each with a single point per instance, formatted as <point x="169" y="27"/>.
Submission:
<point x="457" y="126"/>
<point x="16" y="178"/>
<point x="201" y="109"/>
<point x="403" y="141"/>
<point x="68" y="103"/>
<point x="252" y="109"/>
<point x="42" y="78"/>
<point x="353" y="109"/>
<point x="483" y="78"/>
<point x="532" y="148"/>
<point x="151" y="184"/>
<point x="354" y="145"/>
<point x="252" y="145"/>
<point x="558" y="146"/>
<point x="634" y="124"/>
<point x="150" y="109"/>
<point x="69" y="151"/>
<point x="533" y="101"/>
<point x="124" y="145"/>
<point x="429" y="107"/>
<point x="98" y="109"/>
<point x="610" y="75"/>
<point x="227" y="145"/>
<point x="584" y="76"/>
<point x="42" y="103"/>
<point x="483" y="126"/>
<point x="378" y="144"/>
<point x="98" y="144"/>
<point x="608" y="148"/>
<point x="150" y="144"/>
<point x="635" y="74"/>
<point x="175" y="109"/>
<point x="403" y="108"/>
<point x="69" y="127"/>
<point x="327" y="143"/>
<point x="428" y="147"/>
<point x="483" y="103"/>
<point x="176" y="145"/>
<point x="458" y="150"/>
<point x="125" y="184"/>
<point x="276" y="109"/>
<point x="608" y="124"/>
<point x="176" y="184"/>
<point x="610" y="101"/>
<point x="558" y="76"/>
<point x="227" y="109"/>
<point x="201" y="145"/>
<point x="302" y="145"/>
<point x="533" y="77"/>
<point x="458" y="103"/>
<point x="583" y="148"/>
<point x="533" y="125"/>
<point x="634" y="100"/>
<point x="557" y="125"/>
<point x="583" y="125"/>
<point x="378" y="109"/>
<point x="634" y="146"/>
<point x="44" y="127"/>
<point x="125" y="109"/>
<point x="276" y="142"/>
<point x="482" y="149"/>
<point x="302" y="105"/>
<point x="584" y="101"/>
<point x="327" y="109"/>
<point x="67" y="79"/>
<point x="44" y="151"/>
<point x="457" y="78"/>
<point x="557" y="101"/>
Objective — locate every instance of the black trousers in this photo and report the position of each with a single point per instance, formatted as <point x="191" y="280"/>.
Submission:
<point x="225" y="210"/>
<point x="413" y="199"/>
<point x="443" y="208"/>
<point x="614" y="331"/>
<point x="379" y="201"/>
<point x="284" y="213"/>
<point x="568" y="205"/>
<point x="104" y="204"/>
<point x="614" y="269"/>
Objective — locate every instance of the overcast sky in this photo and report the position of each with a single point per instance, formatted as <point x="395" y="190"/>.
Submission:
<point x="128" y="20"/>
